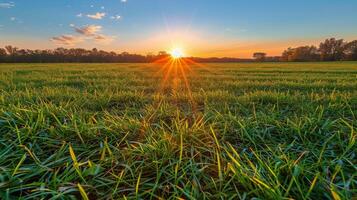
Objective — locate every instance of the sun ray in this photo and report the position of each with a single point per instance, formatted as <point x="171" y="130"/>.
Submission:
<point x="176" y="53"/>
<point x="192" y="62"/>
<point x="174" y="70"/>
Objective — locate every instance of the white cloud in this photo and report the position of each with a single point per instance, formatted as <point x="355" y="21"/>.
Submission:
<point x="103" y="39"/>
<point x="116" y="17"/>
<point x="102" y="7"/>
<point x="14" y="19"/>
<point x="97" y="15"/>
<point x="93" y="32"/>
<point x="88" y="30"/>
<point x="123" y="1"/>
<point x="68" y="40"/>
<point x="86" y="33"/>
<point x="7" y="5"/>
<point x="80" y="15"/>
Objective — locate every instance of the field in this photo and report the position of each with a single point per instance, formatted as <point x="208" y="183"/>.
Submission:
<point x="238" y="131"/>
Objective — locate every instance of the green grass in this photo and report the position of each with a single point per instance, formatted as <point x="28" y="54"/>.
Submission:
<point x="107" y="131"/>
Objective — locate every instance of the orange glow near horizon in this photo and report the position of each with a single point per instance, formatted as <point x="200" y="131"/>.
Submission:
<point x="194" y="44"/>
<point x="177" y="53"/>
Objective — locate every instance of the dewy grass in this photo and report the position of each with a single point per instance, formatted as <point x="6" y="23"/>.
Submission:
<point x="111" y="131"/>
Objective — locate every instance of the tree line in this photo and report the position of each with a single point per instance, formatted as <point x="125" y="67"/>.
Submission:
<point x="11" y="54"/>
<point x="330" y="50"/>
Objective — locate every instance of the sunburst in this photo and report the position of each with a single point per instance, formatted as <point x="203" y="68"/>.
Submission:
<point x="177" y="53"/>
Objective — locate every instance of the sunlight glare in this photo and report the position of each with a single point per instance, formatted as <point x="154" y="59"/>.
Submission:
<point x="176" y="53"/>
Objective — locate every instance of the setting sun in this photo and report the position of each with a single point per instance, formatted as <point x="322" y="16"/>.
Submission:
<point x="176" y="53"/>
<point x="191" y="99"/>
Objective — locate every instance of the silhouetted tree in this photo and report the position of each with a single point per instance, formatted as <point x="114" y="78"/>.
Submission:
<point x="331" y="49"/>
<point x="2" y="52"/>
<point x="350" y="50"/>
<point x="150" y="57"/>
<point x="11" y="50"/>
<point x="162" y="53"/>
<point x="3" y="55"/>
<point x="259" y="56"/>
<point x="301" y="54"/>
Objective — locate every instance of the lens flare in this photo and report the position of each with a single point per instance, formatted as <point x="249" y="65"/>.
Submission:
<point x="176" y="53"/>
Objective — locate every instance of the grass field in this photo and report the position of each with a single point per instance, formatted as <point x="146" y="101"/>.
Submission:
<point x="115" y="131"/>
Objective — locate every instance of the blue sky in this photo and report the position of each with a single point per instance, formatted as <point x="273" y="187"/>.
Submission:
<point x="201" y="27"/>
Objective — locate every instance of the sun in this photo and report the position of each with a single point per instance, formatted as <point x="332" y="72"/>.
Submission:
<point x="176" y="53"/>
